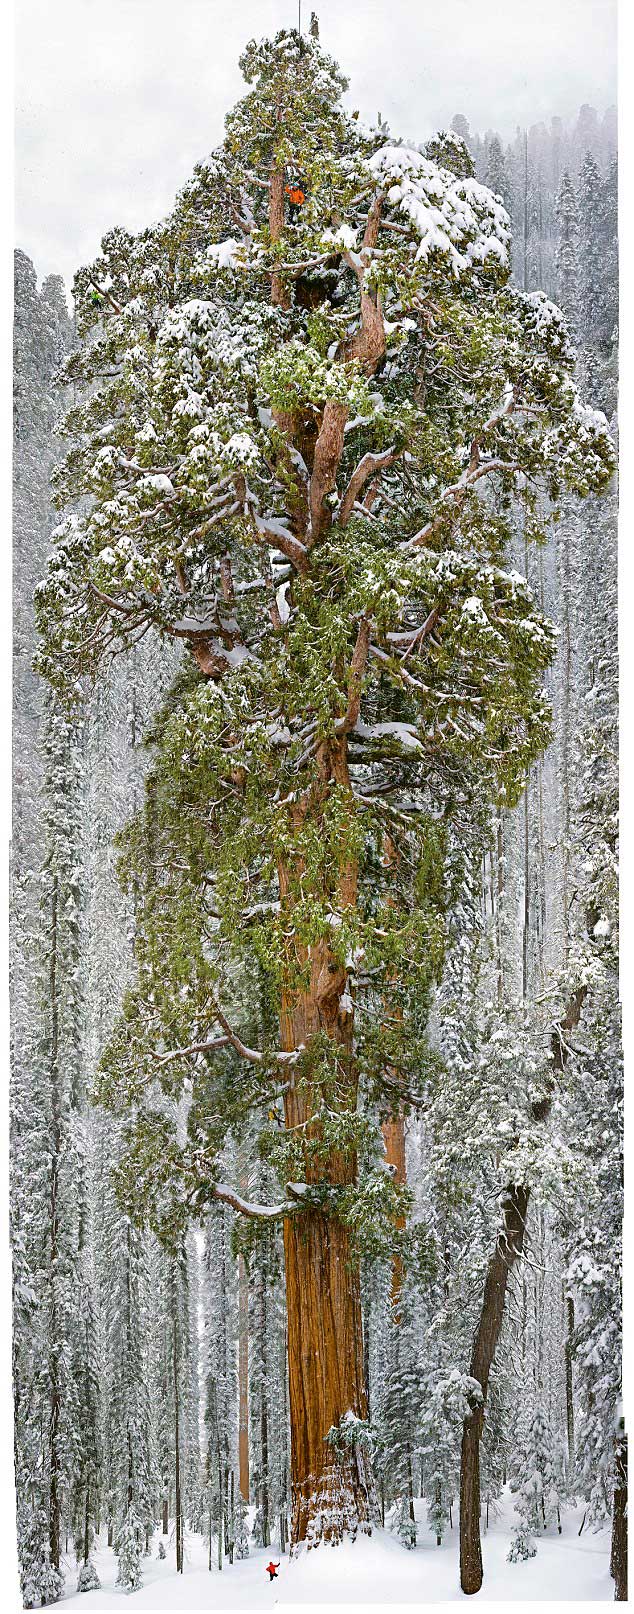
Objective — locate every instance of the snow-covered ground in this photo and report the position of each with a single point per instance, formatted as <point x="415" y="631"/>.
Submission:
<point x="568" y="1568"/>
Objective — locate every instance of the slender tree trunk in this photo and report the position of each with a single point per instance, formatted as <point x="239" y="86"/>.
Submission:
<point x="220" y="1504"/>
<point x="177" y="1458"/>
<point x="365" y="1323"/>
<point x="508" y="1248"/>
<point x="565" y="738"/>
<point x="243" y="1378"/>
<point x="499" y="906"/>
<point x="618" y="1559"/>
<point x="264" y="1428"/>
<point x="54" y="1476"/>
<point x="394" y="1128"/>
<point x="525" y="210"/>
<point x="394" y="1140"/>
<point x="231" y="1514"/>
<point x="570" y="1405"/>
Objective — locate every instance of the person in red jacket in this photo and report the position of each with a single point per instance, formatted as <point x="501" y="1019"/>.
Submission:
<point x="272" y="1570"/>
<point x="296" y="198"/>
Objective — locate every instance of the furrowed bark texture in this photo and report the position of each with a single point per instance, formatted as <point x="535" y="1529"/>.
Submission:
<point x="331" y="1494"/>
<point x="508" y="1249"/>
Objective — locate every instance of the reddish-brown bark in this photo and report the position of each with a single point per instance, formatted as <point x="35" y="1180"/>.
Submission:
<point x="331" y="1494"/>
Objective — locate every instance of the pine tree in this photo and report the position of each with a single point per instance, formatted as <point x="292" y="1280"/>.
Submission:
<point x="567" y="251"/>
<point x="537" y="1484"/>
<point x="497" y="177"/>
<point x="399" y="1425"/>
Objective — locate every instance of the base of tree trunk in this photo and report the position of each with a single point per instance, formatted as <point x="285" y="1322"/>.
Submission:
<point x="340" y="1502"/>
<point x="618" y="1557"/>
<point x="470" y="1545"/>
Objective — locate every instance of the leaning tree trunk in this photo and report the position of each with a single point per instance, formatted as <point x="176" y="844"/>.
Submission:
<point x="618" y="1558"/>
<point x="508" y="1249"/>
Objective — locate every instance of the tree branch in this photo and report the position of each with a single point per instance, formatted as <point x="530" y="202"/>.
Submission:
<point x="230" y="1196"/>
<point x="458" y="492"/>
<point x="368" y="466"/>
<point x="355" y="678"/>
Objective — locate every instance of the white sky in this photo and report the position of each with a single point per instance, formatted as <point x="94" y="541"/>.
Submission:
<point x="116" y="99"/>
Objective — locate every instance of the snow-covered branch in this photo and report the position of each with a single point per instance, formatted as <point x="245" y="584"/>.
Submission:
<point x="367" y="467"/>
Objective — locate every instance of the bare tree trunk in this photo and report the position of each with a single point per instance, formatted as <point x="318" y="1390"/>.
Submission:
<point x="618" y="1558"/>
<point x="54" y="1490"/>
<point x="499" y="905"/>
<point x="264" y="1426"/>
<point x="243" y="1378"/>
<point x="508" y="1248"/>
<point x="325" y="1364"/>
<point x="394" y="1128"/>
<point x="394" y="1140"/>
<point x="570" y="1405"/>
<point x="177" y="1466"/>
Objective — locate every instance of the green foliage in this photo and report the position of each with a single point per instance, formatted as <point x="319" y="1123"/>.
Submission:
<point x="202" y="502"/>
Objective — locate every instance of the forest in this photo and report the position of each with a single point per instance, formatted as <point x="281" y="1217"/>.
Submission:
<point x="316" y="1099"/>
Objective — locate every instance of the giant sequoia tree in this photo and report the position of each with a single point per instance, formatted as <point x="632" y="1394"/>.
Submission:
<point x="297" y="448"/>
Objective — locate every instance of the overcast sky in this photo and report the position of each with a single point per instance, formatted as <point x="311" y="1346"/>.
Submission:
<point x="116" y="99"/>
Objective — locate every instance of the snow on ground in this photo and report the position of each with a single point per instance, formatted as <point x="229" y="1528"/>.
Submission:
<point x="568" y="1568"/>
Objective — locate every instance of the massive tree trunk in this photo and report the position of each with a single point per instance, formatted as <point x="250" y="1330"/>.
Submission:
<point x="618" y="1559"/>
<point x="330" y="1494"/>
<point x="331" y="1491"/>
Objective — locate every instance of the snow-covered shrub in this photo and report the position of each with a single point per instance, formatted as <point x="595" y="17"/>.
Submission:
<point x="88" y="1579"/>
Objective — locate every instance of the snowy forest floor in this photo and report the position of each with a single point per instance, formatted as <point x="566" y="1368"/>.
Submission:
<point x="567" y="1568"/>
